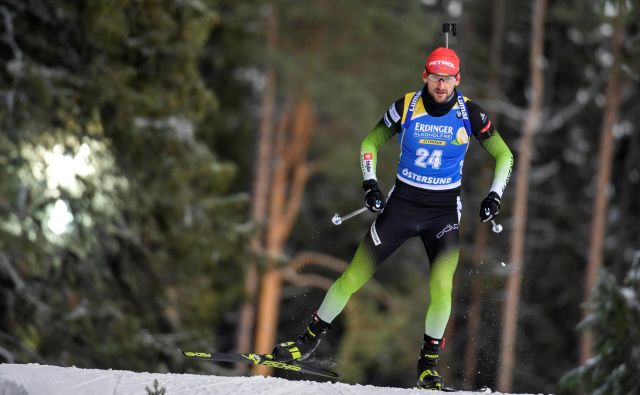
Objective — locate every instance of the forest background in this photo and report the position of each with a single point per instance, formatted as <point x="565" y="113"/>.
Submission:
<point x="170" y="169"/>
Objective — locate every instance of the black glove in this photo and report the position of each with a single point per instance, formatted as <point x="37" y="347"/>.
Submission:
<point x="373" y="197"/>
<point x="490" y="207"/>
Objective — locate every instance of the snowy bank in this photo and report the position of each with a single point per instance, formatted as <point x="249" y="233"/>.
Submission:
<point x="33" y="379"/>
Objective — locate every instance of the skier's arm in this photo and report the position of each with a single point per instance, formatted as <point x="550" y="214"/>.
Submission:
<point x="491" y="140"/>
<point x="380" y="134"/>
<point x="499" y="150"/>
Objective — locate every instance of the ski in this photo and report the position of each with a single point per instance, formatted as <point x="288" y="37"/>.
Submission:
<point x="260" y="359"/>
<point x="482" y="390"/>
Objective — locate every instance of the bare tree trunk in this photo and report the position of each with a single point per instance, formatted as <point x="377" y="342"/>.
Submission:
<point x="598" y="224"/>
<point x="475" y="299"/>
<point x="516" y="261"/>
<point x="261" y="191"/>
<point x="288" y="182"/>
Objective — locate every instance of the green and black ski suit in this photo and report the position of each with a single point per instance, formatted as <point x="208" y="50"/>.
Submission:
<point x="425" y="200"/>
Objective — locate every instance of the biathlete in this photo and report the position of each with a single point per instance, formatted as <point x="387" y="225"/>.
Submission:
<point x="433" y="126"/>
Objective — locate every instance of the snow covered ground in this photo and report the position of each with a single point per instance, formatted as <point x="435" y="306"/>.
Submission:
<point x="33" y="379"/>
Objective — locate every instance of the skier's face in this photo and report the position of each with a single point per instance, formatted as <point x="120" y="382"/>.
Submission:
<point x="440" y="86"/>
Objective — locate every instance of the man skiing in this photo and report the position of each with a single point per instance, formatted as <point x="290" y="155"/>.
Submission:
<point x="433" y="127"/>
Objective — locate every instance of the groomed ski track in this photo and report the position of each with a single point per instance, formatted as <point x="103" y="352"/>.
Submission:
<point x="34" y="379"/>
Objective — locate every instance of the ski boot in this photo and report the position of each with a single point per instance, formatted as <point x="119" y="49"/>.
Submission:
<point x="302" y="346"/>
<point x="428" y="376"/>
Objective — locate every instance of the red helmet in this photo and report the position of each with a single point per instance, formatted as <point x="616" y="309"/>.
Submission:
<point x="442" y="61"/>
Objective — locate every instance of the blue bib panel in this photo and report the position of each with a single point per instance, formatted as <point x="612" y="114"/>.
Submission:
<point x="433" y="148"/>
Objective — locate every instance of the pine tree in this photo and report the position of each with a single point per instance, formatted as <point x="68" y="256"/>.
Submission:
<point x="614" y="322"/>
<point x="152" y="250"/>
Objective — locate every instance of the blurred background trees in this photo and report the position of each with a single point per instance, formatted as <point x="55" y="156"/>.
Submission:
<point x="121" y="233"/>
<point x="615" y="314"/>
<point x="167" y="163"/>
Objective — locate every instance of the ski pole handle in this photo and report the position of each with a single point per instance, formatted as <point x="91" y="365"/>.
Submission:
<point x="495" y="227"/>
<point x="446" y="28"/>
<point x="337" y="219"/>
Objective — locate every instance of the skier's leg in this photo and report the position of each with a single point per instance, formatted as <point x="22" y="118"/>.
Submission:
<point x="359" y="271"/>
<point x="440" y="289"/>
<point x="355" y="276"/>
<point x="387" y="233"/>
<point x="441" y="239"/>
<point x="443" y="248"/>
<point x="385" y="236"/>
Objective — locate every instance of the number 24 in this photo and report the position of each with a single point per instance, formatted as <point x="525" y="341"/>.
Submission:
<point x="425" y="158"/>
